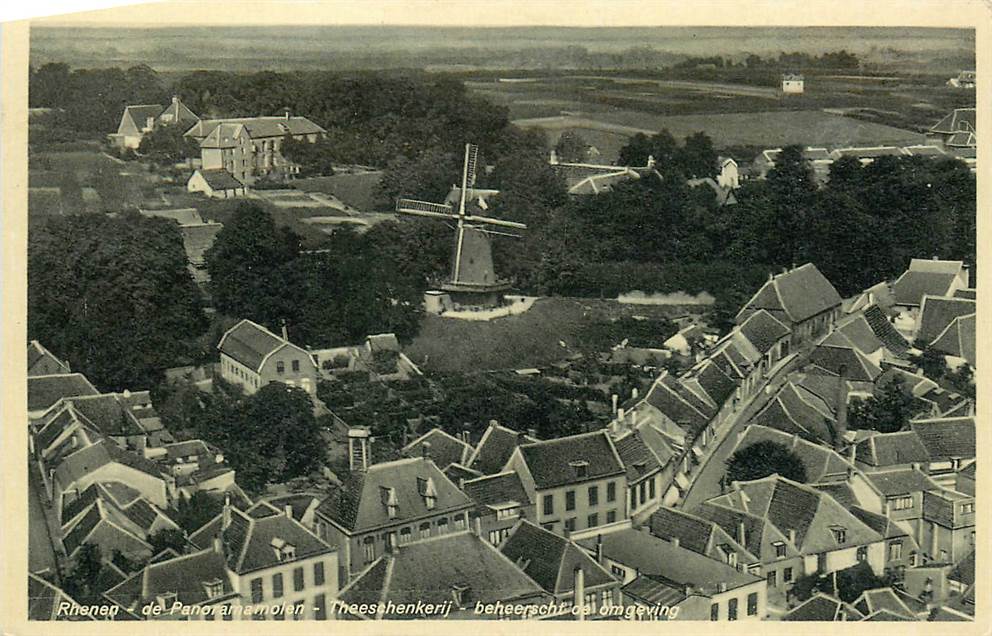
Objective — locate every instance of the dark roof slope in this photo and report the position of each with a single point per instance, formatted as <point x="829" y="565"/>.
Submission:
<point x="885" y="331"/>
<point x="936" y="313"/>
<point x="46" y="390"/>
<point x="249" y="343"/>
<point x="797" y="294"/>
<point x="220" y="179"/>
<point x="946" y="438"/>
<point x="444" y="449"/>
<point x="763" y="330"/>
<point x="495" y="448"/>
<point x="550" y="560"/>
<point x="500" y="488"/>
<point x="636" y="457"/>
<point x="558" y="462"/>
<point x="912" y="286"/>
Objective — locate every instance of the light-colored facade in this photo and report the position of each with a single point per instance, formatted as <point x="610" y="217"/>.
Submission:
<point x="251" y="356"/>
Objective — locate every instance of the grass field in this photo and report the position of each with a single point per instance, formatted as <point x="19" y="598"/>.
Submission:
<point x="529" y="340"/>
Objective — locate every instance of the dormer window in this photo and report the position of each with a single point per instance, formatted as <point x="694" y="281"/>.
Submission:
<point x="166" y="599"/>
<point x="460" y="594"/>
<point x="779" y="549"/>
<point x="388" y="496"/>
<point x="284" y="551"/>
<point x="213" y="588"/>
<point x="426" y="489"/>
<point x="580" y="467"/>
<point x="840" y="534"/>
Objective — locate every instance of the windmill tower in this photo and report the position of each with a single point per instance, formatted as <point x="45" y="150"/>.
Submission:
<point x="473" y="281"/>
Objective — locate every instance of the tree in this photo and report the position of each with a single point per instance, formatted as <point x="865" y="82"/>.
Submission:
<point x="314" y="158"/>
<point x="571" y="147"/>
<point x="428" y="176"/>
<point x="168" y="538"/>
<point x="697" y="158"/>
<point x="193" y="512"/>
<point x="81" y="581"/>
<point x="122" y="310"/>
<point x="168" y="145"/>
<point x="930" y="361"/>
<point x="887" y="411"/>
<point x="762" y="459"/>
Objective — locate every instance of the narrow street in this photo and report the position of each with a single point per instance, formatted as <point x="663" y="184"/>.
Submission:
<point x="706" y="482"/>
<point x="41" y="549"/>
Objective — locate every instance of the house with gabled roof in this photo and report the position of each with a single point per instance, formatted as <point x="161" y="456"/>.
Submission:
<point x="442" y="447"/>
<point x="500" y="500"/>
<point x="459" y="568"/>
<point x="957" y="129"/>
<point x="801" y="298"/>
<point x="45" y="390"/>
<point x="48" y="602"/>
<point x="769" y="336"/>
<point x="958" y="341"/>
<point x="693" y="586"/>
<point x="384" y="505"/>
<point x="901" y="548"/>
<point x="821" y="608"/>
<point x="647" y="473"/>
<point x="251" y="356"/>
<point x="103" y="526"/>
<point x="828" y="536"/>
<point x="949" y="443"/>
<point x="273" y="559"/>
<point x="561" y="568"/>
<point x="41" y="361"/>
<point x="924" y="277"/>
<point x="704" y="536"/>
<point x="578" y="482"/>
<point x="103" y="460"/>
<point x="140" y="119"/>
<point x="797" y="411"/>
<point x="495" y="448"/>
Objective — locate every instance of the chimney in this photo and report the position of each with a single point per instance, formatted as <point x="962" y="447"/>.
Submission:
<point x="580" y="592"/>
<point x="634" y="393"/>
<point x="675" y="542"/>
<point x="651" y="161"/>
<point x="852" y="452"/>
<point x="620" y="414"/>
<point x="477" y="525"/>
<point x="741" y="533"/>
<point x="285" y="334"/>
<point x="288" y="509"/>
<point x="615" y="399"/>
<point x="175" y="99"/>
<point x="599" y="549"/>
<point x="792" y="536"/>
<point x="553" y="160"/>
<point x="425" y="450"/>
<point x="285" y="114"/>
<point x="532" y="432"/>
<point x="841" y="427"/>
<point x="721" y="586"/>
<point x="226" y="513"/>
<point x="850" y="473"/>
<point x="359" y="448"/>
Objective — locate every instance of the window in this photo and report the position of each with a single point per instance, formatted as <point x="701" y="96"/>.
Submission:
<point x="549" y="504"/>
<point x="280" y="367"/>
<point x="772" y="578"/>
<point x="296" y="366"/>
<point x="299" y="611"/>
<point x="895" y="550"/>
<point x="643" y="488"/>
<point x="425" y="530"/>
<point x="277" y="585"/>
<point x="318" y="573"/>
<point x="570" y="524"/>
<point x="943" y="555"/>
<point x="787" y="575"/>
<point x="592" y="521"/>
<point x="618" y="572"/>
<point x="368" y="546"/>
<point x="611" y="491"/>
<point x="569" y="500"/>
<point x="715" y="612"/>
<point x="502" y="513"/>
<point x="442" y="525"/>
<point x="213" y="588"/>
<point x="732" y="609"/>
<point x="651" y="489"/>
<point x="611" y="516"/>
<point x="405" y="536"/>
<point x="298" y="579"/>
<point x="550" y="527"/>
<point x="752" y="604"/>
<point x="606" y="598"/>
<point x="967" y="508"/>
<point x="460" y="522"/>
<point x="862" y="553"/>
<point x="840" y="534"/>
<point x="902" y="503"/>
<point x="593" y="495"/>
<point x="256" y="590"/>
<point x="320" y="608"/>
<point x="590" y="602"/>
<point x="779" y="549"/>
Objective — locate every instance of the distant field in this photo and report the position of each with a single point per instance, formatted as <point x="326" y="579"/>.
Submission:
<point x="516" y="342"/>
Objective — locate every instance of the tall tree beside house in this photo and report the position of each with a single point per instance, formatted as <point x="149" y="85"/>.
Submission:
<point x="167" y="145"/>
<point x="168" y="538"/>
<point x="427" y="176"/>
<point x="81" y="581"/>
<point x="121" y="310"/>
<point x="315" y="159"/>
<point x="887" y="411"/>
<point x="194" y="511"/>
<point x="762" y="459"/>
<point x="697" y="158"/>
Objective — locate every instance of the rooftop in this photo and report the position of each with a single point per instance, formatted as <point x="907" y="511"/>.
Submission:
<point x="573" y="459"/>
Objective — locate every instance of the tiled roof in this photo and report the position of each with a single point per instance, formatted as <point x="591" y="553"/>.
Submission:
<point x="177" y="112"/>
<point x="693" y="532"/>
<point x="945" y="401"/>
<point x="936" y="313"/>
<point x="636" y="457"/>
<point x="37" y="352"/>
<point x="799" y="294"/>
<point x="445" y="449"/>
<point x="358" y="505"/>
<point x="495" y="448"/>
<point x="44" y="601"/>
<point x="792" y="413"/>
<point x="220" y="179"/>
<point x="970" y="294"/>
<point x="882" y="599"/>
<point x="891" y="449"/>
<point x="260" y="127"/>
<point x="715" y="383"/>
<point x="958" y="339"/>
<point x="46" y="390"/>
<point x="496" y="489"/>
<point x="58" y="423"/>
<point x="879" y="523"/>
<point x="224" y="135"/>
<point x="299" y="503"/>
<point x="763" y="330"/>
<point x="458" y="473"/>
<point x="185" y="576"/>
<point x="858" y="367"/>
<point x="654" y="591"/>
<point x="758" y="533"/>
<point x="820" y="462"/>
<point x="946" y="438"/>
<point x="250" y="343"/>
<point x="80" y="503"/>
<point x="821" y="607"/>
<point x="901" y="481"/>
<point x="141" y="113"/>
<point x="912" y="286"/>
<point x="672" y="400"/>
<point x="109" y="413"/>
<point x="557" y="462"/>
<point x="86" y="460"/>
<point x="430" y="571"/>
<point x="885" y="331"/>
<point x="182" y="216"/>
<point x="550" y="560"/>
<point x="679" y="565"/>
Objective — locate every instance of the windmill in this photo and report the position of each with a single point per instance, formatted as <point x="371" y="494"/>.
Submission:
<point x="473" y="281"/>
